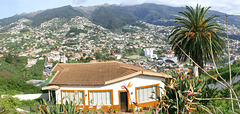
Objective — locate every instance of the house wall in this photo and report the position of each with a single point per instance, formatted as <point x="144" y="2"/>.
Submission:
<point x="137" y="81"/>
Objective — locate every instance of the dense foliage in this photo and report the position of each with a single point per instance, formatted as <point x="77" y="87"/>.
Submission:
<point x="13" y="86"/>
<point x="197" y="35"/>
<point x="62" y="12"/>
<point x="28" y="105"/>
<point x="14" y="74"/>
<point x="34" y="72"/>
<point x="14" y="66"/>
<point x="8" y="104"/>
<point x="24" y="30"/>
<point x="67" y="12"/>
<point x="112" y="18"/>
<point x="74" y="31"/>
<point x="225" y="105"/>
<point x="100" y="56"/>
<point x="133" y="51"/>
<point x="186" y="94"/>
<point x="224" y="72"/>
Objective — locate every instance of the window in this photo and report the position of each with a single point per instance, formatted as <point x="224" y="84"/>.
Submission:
<point x="100" y="97"/>
<point x="145" y="94"/>
<point x="75" y="96"/>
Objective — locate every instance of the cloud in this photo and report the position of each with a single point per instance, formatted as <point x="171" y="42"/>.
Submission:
<point x="78" y="2"/>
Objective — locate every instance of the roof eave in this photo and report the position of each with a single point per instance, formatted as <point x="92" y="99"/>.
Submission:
<point x="136" y="74"/>
<point x="51" y="87"/>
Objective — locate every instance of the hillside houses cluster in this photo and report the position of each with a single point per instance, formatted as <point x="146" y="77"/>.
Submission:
<point x="49" y="41"/>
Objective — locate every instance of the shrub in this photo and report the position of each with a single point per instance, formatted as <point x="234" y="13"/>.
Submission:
<point x="13" y="86"/>
<point x="9" y="104"/>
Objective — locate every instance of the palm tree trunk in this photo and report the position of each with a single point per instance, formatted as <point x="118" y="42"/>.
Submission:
<point x="199" y="69"/>
<point x="200" y="63"/>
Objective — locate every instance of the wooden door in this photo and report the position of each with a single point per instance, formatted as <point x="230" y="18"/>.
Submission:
<point x="123" y="101"/>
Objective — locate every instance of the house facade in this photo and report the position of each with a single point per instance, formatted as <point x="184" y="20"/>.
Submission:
<point x="106" y="84"/>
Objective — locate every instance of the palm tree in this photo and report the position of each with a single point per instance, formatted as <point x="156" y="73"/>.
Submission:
<point x="193" y="35"/>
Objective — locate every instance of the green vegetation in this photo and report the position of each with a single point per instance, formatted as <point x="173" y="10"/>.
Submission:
<point x="181" y="95"/>
<point x="197" y="36"/>
<point x="67" y="12"/>
<point x="12" y="86"/>
<point x="133" y="51"/>
<point x="24" y="30"/>
<point x="9" y="58"/>
<point x="14" y="66"/>
<point x="34" y="72"/>
<point x="150" y="13"/>
<point x="29" y="104"/>
<point x="113" y="18"/>
<point x="5" y="36"/>
<point x="189" y="38"/>
<point x="225" y="105"/>
<point x="128" y="30"/>
<point x="75" y="31"/>
<point x="69" y="108"/>
<point x="52" y="108"/>
<point x="8" y="104"/>
<point x="189" y="94"/>
<point x="224" y="72"/>
<point x="221" y="61"/>
<point x="86" y="60"/>
<point x="14" y="74"/>
<point x="100" y="56"/>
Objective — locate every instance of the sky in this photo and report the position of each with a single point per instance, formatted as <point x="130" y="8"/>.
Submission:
<point x="13" y="7"/>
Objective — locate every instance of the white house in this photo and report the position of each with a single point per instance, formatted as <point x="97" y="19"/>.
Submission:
<point x="31" y="62"/>
<point x="103" y="84"/>
<point x="55" y="52"/>
<point x="63" y="59"/>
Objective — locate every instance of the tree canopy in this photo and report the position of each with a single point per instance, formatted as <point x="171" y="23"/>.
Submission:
<point x="194" y="34"/>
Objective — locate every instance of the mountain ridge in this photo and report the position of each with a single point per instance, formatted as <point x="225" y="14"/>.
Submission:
<point x="114" y="17"/>
<point x="146" y="8"/>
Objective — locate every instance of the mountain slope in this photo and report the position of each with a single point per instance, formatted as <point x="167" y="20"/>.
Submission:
<point x="7" y="21"/>
<point x="155" y="14"/>
<point x="67" y="12"/>
<point x="151" y="13"/>
<point x="113" y="18"/>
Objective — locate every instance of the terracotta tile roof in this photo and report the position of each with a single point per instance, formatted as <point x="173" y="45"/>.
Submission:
<point x="95" y="73"/>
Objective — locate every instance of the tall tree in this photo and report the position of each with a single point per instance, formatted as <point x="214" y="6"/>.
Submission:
<point x="9" y="58"/>
<point x="193" y="34"/>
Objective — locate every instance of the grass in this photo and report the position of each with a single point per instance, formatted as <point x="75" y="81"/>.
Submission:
<point x="27" y="104"/>
<point x="5" y="73"/>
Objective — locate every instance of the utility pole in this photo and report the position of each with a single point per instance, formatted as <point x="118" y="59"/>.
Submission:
<point x="229" y="63"/>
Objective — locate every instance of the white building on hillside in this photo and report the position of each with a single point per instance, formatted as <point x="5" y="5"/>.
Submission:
<point x="149" y="53"/>
<point x="31" y="62"/>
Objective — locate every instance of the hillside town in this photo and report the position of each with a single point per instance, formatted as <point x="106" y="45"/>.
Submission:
<point x="145" y="46"/>
<point x="145" y="58"/>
